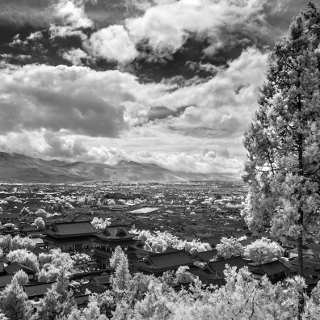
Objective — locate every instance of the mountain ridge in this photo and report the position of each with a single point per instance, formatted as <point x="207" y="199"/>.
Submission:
<point x="16" y="167"/>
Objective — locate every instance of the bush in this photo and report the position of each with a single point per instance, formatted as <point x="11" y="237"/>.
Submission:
<point x="24" y="257"/>
<point x="263" y="250"/>
<point x="229" y="247"/>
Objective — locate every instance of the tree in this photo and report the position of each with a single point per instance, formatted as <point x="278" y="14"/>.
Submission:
<point x="229" y="247"/>
<point x="283" y="167"/>
<point x="58" y="301"/>
<point x="121" y="277"/>
<point x="25" y="257"/>
<point x="39" y="223"/>
<point x="21" y="277"/>
<point x="117" y="256"/>
<point x="263" y="250"/>
<point x="14" y="301"/>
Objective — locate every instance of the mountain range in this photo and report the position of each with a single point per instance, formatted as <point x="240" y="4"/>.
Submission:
<point x="15" y="168"/>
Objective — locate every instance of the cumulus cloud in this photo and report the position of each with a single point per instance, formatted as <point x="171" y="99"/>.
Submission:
<point x="75" y="106"/>
<point x="47" y="144"/>
<point x="72" y="98"/>
<point x="167" y="26"/>
<point x="112" y="43"/>
<point x="71" y="13"/>
<point x="75" y="56"/>
<point x="222" y="106"/>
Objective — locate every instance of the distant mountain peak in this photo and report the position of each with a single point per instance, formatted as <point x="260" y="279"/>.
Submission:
<point x="16" y="167"/>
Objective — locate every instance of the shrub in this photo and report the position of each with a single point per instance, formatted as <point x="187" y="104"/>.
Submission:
<point x="263" y="250"/>
<point x="229" y="247"/>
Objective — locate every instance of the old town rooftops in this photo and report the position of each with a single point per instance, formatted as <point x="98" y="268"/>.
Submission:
<point x="71" y="229"/>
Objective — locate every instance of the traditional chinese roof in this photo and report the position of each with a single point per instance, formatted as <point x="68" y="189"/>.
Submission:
<point x="71" y="229"/>
<point x="206" y="256"/>
<point x="270" y="268"/>
<point x="82" y="300"/>
<point x="5" y="280"/>
<point x="102" y="279"/>
<point x="218" y="266"/>
<point x="206" y="276"/>
<point x="119" y="232"/>
<point x="37" y="290"/>
<point x="14" y="267"/>
<point x="311" y="265"/>
<point x="161" y="262"/>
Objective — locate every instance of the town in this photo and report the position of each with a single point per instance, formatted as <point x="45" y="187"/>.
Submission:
<point x="161" y="228"/>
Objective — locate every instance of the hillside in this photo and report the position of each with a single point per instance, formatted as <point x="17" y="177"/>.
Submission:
<point x="20" y="168"/>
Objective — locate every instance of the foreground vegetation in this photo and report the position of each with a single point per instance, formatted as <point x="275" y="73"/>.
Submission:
<point x="173" y="296"/>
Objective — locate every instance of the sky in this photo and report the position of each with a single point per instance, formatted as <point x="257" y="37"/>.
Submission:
<point x="174" y="83"/>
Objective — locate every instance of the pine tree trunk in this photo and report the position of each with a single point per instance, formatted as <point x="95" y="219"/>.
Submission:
<point x="301" y="223"/>
<point x="300" y="269"/>
<point x="300" y="255"/>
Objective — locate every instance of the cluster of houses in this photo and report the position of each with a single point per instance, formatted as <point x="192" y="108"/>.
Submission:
<point x="82" y="237"/>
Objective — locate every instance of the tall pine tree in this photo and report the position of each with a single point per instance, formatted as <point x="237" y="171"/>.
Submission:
<point x="283" y="142"/>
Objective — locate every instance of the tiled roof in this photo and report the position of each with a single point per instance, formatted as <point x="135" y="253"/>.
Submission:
<point x="170" y="259"/>
<point x="37" y="290"/>
<point x="82" y="300"/>
<point x="103" y="279"/>
<point x="206" y="256"/>
<point x="4" y="280"/>
<point x="270" y="268"/>
<point x="219" y="265"/>
<point x="116" y="232"/>
<point x="14" y="267"/>
<point x="206" y="276"/>
<point x="73" y="229"/>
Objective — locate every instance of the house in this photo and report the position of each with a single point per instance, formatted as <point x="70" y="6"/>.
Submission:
<point x="5" y="280"/>
<point x="14" y="267"/>
<point x="157" y="263"/>
<point x="82" y="300"/>
<point x="109" y="239"/>
<point x="71" y="236"/>
<point x="116" y="235"/>
<point x="205" y="256"/>
<point x="217" y="267"/>
<point x="206" y="276"/>
<point x="274" y="270"/>
<point x="311" y="267"/>
<point x="37" y="290"/>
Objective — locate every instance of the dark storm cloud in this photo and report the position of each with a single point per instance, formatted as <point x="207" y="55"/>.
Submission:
<point x="164" y="49"/>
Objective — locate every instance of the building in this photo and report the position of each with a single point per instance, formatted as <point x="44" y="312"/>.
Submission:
<point x="37" y="290"/>
<point x="109" y="239"/>
<point x="71" y="236"/>
<point x="217" y="267"/>
<point x="274" y="270"/>
<point x="157" y="263"/>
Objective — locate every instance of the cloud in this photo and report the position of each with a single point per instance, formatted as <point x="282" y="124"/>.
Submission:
<point x="222" y="106"/>
<point x="106" y="103"/>
<point x="75" y="56"/>
<point x="161" y="112"/>
<point x="19" y="13"/>
<point x="167" y="26"/>
<point x="204" y="162"/>
<point x="113" y="44"/>
<point x="64" y="146"/>
<point x="72" y="98"/>
<point x="71" y="13"/>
